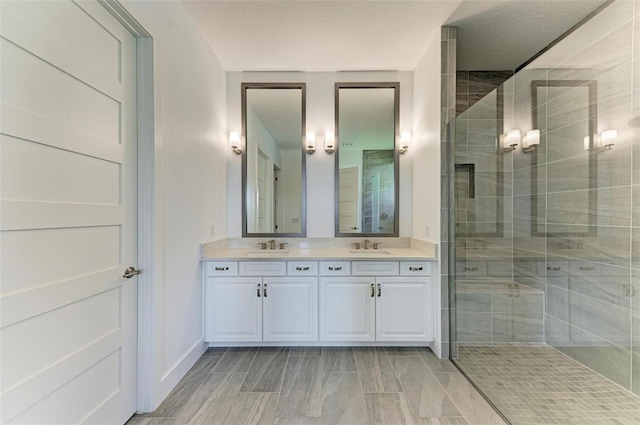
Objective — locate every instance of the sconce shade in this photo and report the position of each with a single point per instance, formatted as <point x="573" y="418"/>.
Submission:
<point x="311" y="142"/>
<point x="601" y="142"/>
<point x="405" y="141"/>
<point x="235" y="142"/>
<point x="329" y="142"/>
<point x="510" y="140"/>
<point x="531" y="140"/>
<point x="608" y="137"/>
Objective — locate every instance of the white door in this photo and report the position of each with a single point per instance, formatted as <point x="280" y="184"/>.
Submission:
<point x="68" y="214"/>
<point x="347" y="309"/>
<point x="403" y="309"/>
<point x="261" y="225"/>
<point x="234" y="309"/>
<point x="290" y="308"/>
<point x="348" y="200"/>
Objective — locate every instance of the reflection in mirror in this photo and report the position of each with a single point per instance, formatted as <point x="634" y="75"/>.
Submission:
<point x="570" y="110"/>
<point x="367" y="159"/>
<point x="273" y="161"/>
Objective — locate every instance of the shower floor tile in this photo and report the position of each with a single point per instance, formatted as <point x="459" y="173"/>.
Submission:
<point x="536" y="384"/>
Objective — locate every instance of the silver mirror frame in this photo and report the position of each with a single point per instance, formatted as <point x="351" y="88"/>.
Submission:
<point x="303" y="184"/>
<point x="396" y="156"/>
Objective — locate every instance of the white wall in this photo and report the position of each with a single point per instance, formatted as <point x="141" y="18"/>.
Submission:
<point x="426" y="152"/>
<point x="191" y="152"/>
<point x="320" y="166"/>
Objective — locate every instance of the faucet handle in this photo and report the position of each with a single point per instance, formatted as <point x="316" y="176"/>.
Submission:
<point x="282" y="244"/>
<point x="356" y="245"/>
<point x="262" y="245"/>
<point x="376" y="245"/>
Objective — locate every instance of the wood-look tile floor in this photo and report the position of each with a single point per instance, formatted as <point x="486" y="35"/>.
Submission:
<point x="322" y="386"/>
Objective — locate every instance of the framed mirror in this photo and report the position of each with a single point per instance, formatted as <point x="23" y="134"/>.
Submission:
<point x="273" y="160"/>
<point x="567" y="119"/>
<point x="367" y="160"/>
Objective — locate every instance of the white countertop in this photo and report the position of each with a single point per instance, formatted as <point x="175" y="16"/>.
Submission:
<point x="319" y="250"/>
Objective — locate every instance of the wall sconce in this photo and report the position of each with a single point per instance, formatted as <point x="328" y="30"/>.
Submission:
<point x="311" y="142"/>
<point x="235" y="142"/>
<point x="531" y="141"/>
<point x="329" y="142"/>
<point x="405" y="141"/>
<point x="510" y="140"/>
<point x="601" y="142"/>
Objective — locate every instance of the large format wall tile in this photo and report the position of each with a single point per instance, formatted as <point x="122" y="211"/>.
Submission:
<point x="608" y="244"/>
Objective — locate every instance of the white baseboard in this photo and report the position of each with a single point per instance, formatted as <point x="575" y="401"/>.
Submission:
<point x="171" y="378"/>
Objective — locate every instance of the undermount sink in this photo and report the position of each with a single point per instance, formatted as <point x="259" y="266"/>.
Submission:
<point x="369" y="251"/>
<point x="270" y="252"/>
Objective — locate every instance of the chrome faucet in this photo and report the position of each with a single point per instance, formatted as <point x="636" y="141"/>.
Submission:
<point x="272" y="244"/>
<point x="366" y="243"/>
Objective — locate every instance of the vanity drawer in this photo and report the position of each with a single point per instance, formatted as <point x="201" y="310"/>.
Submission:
<point x="374" y="268"/>
<point x="415" y="268"/>
<point x="302" y="268"/>
<point x="222" y="268"/>
<point x="263" y="268"/>
<point x="335" y="268"/>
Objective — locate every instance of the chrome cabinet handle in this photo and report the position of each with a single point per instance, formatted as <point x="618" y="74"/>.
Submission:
<point x="300" y="268"/>
<point x="222" y="269"/>
<point x="264" y="291"/>
<point x="258" y="289"/>
<point x="373" y="291"/>
<point x="415" y="269"/>
<point x="379" y="290"/>
<point x="131" y="272"/>
<point x="331" y="268"/>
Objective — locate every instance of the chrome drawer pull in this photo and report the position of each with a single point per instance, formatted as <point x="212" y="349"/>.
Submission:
<point x="415" y="269"/>
<point x="265" y="290"/>
<point x="586" y="268"/>
<point x="471" y="269"/>
<point x="373" y="291"/>
<point x="302" y="269"/>
<point x="258" y="290"/>
<point x="335" y="268"/>
<point x="222" y="269"/>
<point x="379" y="290"/>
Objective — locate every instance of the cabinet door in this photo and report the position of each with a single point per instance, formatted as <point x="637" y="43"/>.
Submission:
<point x="290" y="308"/>
<point x="403" y="309"/>
<point x="347" y="309"/>
<point x="233" y="309"/>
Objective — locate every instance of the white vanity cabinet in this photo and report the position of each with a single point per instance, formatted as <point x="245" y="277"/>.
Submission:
<point x="318" y="301"/>
<point x="264" y="306"/>
<point x="391" y="304"/>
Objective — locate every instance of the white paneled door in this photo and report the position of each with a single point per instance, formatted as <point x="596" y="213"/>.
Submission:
<point x="67" y="214"/>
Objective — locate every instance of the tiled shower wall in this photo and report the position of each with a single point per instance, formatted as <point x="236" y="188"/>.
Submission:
<point x="472" y="86"/>
<point x="447" y="114"/>
<point x="576" y="214"/>
<point x="378" y="191"/>
<point x="483" y="200"/>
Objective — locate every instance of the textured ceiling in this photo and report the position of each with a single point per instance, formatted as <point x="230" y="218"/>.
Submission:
<point x="319" y="35"/>
<point x="339" y="35"/>
<point x="504" y="34"/>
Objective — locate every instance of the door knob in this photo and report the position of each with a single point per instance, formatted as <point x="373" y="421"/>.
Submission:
<point x="131" y="272"/>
